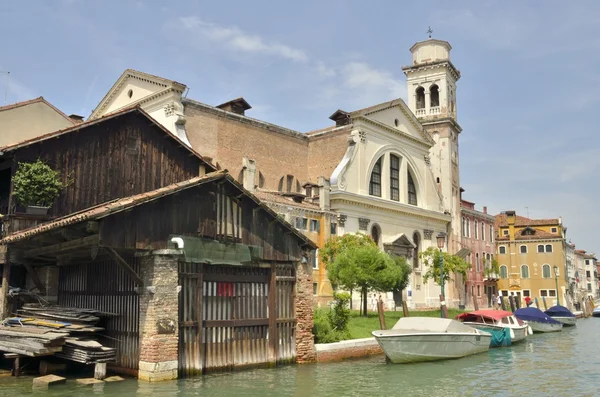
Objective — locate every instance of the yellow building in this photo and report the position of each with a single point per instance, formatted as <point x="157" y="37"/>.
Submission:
<point x="530" y="253"/>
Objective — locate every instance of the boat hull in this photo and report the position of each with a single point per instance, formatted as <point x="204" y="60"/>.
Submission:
<point x="566" y="321"/>
<point x="520" y="332"/>
<point x="402" y="349"/>
<point x="596" y="314"/>
<point x="544" y="327"/>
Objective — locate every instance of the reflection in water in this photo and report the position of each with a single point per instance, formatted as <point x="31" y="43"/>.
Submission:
<point x="557" y="364"/>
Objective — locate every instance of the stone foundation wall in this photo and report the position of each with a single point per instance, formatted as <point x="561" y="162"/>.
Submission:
<point x="305" y="345"/>
<point x="327" y="352"/>
<point x="159" y="330"/>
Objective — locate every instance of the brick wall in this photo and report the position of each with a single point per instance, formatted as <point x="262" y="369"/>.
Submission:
<point x="325" y="152"/>
<point x="228" y="140"/>
<point x="305" y="345"/>
<point x="159" y="331"/>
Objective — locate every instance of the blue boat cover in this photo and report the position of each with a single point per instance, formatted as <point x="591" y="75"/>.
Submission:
<point x="534" y="314"/>
<point x="500" y="337"/>
<point x="559" y="311"/>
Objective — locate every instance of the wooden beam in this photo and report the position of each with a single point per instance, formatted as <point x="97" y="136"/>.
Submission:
<point x="92" y="227"/>
<point x="124" y="265"/>
<point x="36" y="280"/>
<point x="62" y="247"/>
<point x="273" y="342"/>
<point x="4" y="310"/>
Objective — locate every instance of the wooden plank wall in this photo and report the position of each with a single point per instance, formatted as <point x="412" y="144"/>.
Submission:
<point x="103" y="285"/>
<point x="236" y="307"/>
<point x="213" y="210"/>
<point x="113" y="159"/>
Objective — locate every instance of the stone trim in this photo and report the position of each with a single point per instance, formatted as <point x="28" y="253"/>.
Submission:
<point x="342" y="220"/>
<point x="427" y="233"/>
<point x="363" y="223"/>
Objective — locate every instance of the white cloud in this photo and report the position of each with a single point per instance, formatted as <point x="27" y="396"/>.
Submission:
<point x="238" y="40"/>
<point x="362" y="76"/>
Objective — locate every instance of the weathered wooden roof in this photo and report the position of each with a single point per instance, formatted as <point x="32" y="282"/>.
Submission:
<point x="112" y="207"/>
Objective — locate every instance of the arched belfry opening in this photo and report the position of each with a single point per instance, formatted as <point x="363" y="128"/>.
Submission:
<point x="434" y="95"/>
<point x="420" y="93"/>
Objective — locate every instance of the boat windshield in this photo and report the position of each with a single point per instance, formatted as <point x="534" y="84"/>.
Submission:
<point x="504" y="320"/>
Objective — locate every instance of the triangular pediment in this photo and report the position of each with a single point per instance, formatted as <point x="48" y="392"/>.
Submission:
<point x="401" y="240"/>
<point x="395" y="116"/>
<point x="134" y="87"/>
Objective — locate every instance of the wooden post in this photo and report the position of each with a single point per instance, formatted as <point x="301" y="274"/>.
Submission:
<point x="100" y="371"/>
<point x="273" y="338"/>
<point x="4" y="308"/>
<point x="381" y="316"/>
<point x="444" y="308"/>
<point x="502" y="303"/>
<point x="511" y="301"/>
<point x="475" y="303"/>
<point x="544" y="302"/>
<point x="537" y="303"/>
<point x="405" y="309"/>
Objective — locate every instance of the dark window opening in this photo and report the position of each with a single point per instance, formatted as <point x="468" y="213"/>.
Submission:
<point x="417" y="241"/>
<point x="420" y="98"/>
<point x="434" y="95"/>
<point x="412" y="191"/>
<point x="394" y="178"/>
<point x="375" y="233"/>
<point x="375" y="183"/>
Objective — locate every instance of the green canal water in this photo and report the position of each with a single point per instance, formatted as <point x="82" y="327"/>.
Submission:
<point x="559" y="364"/>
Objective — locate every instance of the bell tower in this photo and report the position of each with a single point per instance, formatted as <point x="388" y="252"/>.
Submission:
<point x="431" y="80"/>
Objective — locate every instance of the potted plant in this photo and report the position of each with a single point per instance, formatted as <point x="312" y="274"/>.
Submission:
<point x="36" y="186"/>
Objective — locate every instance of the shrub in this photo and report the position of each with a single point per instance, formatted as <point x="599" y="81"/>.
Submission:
<point x="340" y="313"/>
<point x="36" y="184"/>
<point x="322" y="329"/>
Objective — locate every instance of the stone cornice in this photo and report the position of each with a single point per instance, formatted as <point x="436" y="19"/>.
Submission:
<point x="433" y="65"/>
<point x="500" y="241"/>
<point x="375" y="203"/>
<point x="443" y="120"/>
<point x="244" y="119"/>
<point x="395" y="131"/>
<point x="479" y="214"/>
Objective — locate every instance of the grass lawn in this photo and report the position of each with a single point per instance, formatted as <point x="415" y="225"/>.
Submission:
<point x="361" y="327"/>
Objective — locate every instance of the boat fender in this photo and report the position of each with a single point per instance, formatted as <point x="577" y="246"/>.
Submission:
<point x="512" y="334"/>
<point x="529" y="330"/>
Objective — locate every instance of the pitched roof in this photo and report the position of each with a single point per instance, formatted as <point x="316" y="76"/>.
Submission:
<point x="36" y="100"/>
<point x="277" y="198"/>
<point x="115" y="206"/>
<point x="130" y="110"/>
<point x="521" y="221"/>
<point x="538" y="234"/>
<point x="139" y="75"/>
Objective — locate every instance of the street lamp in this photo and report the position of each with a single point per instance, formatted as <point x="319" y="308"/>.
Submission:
<point x="556" y="279"/>
<point x="441" y="240"/>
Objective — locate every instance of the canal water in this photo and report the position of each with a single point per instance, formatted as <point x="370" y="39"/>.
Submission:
<point x="559" y="364"/>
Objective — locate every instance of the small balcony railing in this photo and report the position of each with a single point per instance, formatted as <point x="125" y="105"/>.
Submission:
<point x="420" y="112"/>
<point x="435" y="110"/>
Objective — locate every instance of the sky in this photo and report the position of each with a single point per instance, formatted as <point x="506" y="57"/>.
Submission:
<point x="526" y="100"/>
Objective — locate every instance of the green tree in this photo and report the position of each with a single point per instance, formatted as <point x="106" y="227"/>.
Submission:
<point x="452" y="264"/>
<point x="355" y="262"/>
<point x="491" y="267"/>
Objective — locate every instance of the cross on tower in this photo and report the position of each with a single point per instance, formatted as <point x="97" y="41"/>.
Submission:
<point x="429" y="31"/>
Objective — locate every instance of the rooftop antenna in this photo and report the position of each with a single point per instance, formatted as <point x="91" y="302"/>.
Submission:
<point x="429" y="31"/>
<point x="7" y="84"/>
<point x="527" y="209"/>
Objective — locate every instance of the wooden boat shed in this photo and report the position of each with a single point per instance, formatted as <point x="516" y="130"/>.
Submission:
<point x="203" y="276"/>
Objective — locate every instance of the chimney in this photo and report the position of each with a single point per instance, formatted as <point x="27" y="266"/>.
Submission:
<point x="249" y="173"/>
<point x="340" y="117"/>
<point x="324" y="188"/>
<point x="485" y="209"/>
<point x="510" y="219"/>
<point x="238" y="106"/>
<point x="76" y="118"/>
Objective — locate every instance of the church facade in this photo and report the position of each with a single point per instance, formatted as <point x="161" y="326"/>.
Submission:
<point x="389" y="170"/>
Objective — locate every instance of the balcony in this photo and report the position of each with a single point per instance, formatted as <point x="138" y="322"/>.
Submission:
<point x="420" y="112"/>
<point x="435" y="110"/>
<point x="491" y="277"/>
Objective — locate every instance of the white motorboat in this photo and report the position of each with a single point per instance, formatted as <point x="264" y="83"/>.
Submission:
<point x="596" y="312"/>
<point x="415" y="339"/>
<point x="562" y="315"/>
<point x="538" y="320"/>
<point x="496" y="320"/>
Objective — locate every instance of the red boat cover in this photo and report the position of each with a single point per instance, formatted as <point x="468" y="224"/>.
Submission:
<point x="492" y="314"/>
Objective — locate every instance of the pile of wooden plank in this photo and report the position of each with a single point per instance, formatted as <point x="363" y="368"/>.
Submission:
<point x="86" y="351"/>
<point x="31" y="342"/>
<point x="66" y="332"/>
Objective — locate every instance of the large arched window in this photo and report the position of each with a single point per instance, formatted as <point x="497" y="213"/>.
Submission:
<point x="524" y="271"/>
<point x="417" y="241"/>
<point x="420" y="92"/>
<point x="394" y="177"/>
<point x="546" y="271"/>
<point x="412" y="190"/>
<point x="375" y="181"/>
<point x="476" y="229"/>
<point x="434" y="96"/>
<point x="503" y="271"/>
